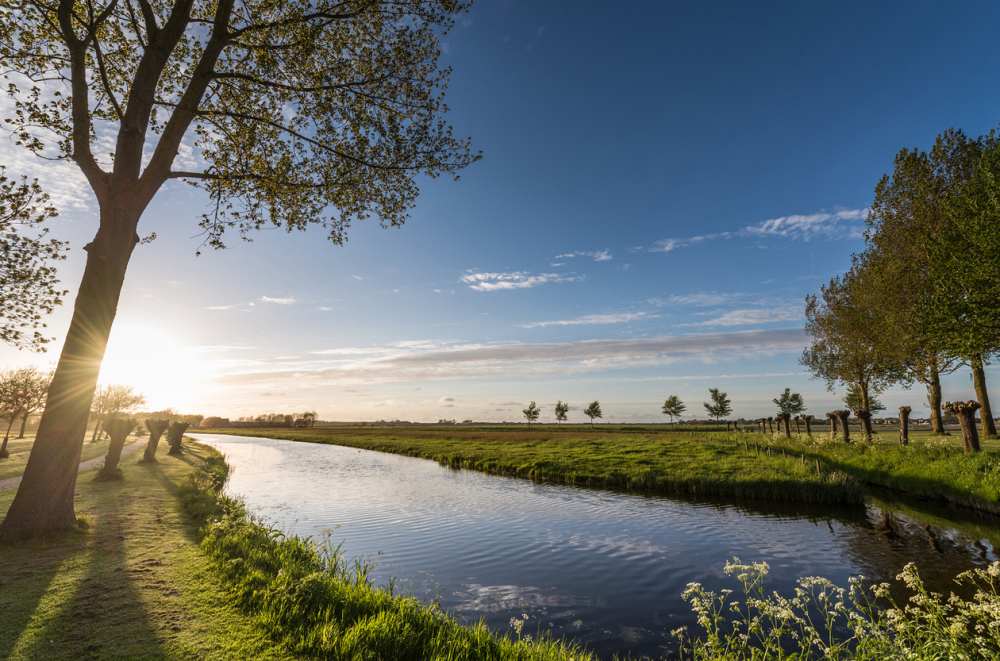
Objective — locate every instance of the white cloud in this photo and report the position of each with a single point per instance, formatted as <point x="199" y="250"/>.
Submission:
<point x="596" y="255"/>
<point x="697" y="299"/>
<point x="278" y="300"/>
<point x="494" y="281"/>
<point x="593" y="320"/>
<point x="802" y="227"/>
<point x="435" y="360"/>
<point x="231" y="306"/>
<point x="325" y="308"/>
<point x="357" y="277"/>
<point x="753" y="316"/>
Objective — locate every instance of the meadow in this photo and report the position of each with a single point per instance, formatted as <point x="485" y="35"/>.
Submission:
<point x="691" y="461"/>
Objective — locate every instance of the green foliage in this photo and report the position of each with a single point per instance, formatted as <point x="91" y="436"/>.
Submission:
<point x="561" y="411"/>
<point x="29" y="285"/>
<point x="673" y="407"/>
<point x="854" y="401"/>
<point x="790" y="403"/>
<point x="593" y="410"/>
<point x="532" y="412"/>
<point x="862" y="621"/>
<point x="719" y="407"/>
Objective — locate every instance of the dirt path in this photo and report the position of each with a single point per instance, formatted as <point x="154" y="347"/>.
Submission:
<point x="96" y="462"/>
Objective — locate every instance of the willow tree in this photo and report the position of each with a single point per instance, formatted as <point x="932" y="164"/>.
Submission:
<point x="289" y="113"/>
<point x="846" y="346"/>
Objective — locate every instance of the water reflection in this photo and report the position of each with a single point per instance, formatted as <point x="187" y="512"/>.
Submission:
<point x="604" y="568"/>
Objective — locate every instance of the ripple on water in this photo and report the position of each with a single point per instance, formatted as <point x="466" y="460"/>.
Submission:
<point x="605" y="568"/>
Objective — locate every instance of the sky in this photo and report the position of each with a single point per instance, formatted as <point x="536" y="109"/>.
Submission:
<point x="662" y="184"/>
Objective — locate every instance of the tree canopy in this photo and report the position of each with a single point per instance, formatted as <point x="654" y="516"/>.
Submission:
<point x="673" y="407"/>
<point x="789" y="403"/>
<point x="593" y="410"/>
<point x="29" y="286"/>
<point x="719" y="405"/>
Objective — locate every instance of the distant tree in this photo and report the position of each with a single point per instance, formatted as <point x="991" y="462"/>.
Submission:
<point x="310" y="418"/>
<point x="36" y="389"/>
<point x="855" y="403"/>
<point x="673" y="407"/>
<point x="593" y="411"/>
<point x="29" y="287"/>
<point x="720" y="406"/>
<point x="113" y="400"/>
<point x="531" y="413"/>
<point x="562" y="409"/>
<point x="790" y="403"/>
<point x="22" y="391"/>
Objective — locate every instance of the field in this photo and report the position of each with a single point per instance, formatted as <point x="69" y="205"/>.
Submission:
<point x="690" y="461"/>
<point x="19" y="448"/>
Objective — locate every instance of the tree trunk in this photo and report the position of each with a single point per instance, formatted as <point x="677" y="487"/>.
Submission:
<point x="3" y="447"/>
<point x="808" y="420"/>
<point x="44" y="500"/>
<point x="770" y="425"/>
<point x="175" y="437"/>
<point x="934" y="400"/>
<point x="983" y="397"/>
<point x="24" y="425"/>
<point x="118" y="431"/>
<point x="156" y="429"/>
<point x="904" y="425"/>
<point x="833" y="425"/>
<point x="788" y="425"/>
<point x="842" y="417"/>
<point x="966" y="413"/>
<point x="866" y="423"/>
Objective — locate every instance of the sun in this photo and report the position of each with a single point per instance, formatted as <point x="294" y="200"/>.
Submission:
<point x="157" y="364"/>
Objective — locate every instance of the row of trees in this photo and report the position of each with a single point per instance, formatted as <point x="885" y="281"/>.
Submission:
<point x="718" y="407"/>
<point x="920" y="300"/>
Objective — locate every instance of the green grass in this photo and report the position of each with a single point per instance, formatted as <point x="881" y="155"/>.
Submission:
<point x="133" y="583"/>
<point x="13" y="465"/>
<point x="698" y="465"/>
<point x="693" y="463"/>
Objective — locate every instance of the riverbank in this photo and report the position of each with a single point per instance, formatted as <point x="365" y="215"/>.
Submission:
<point x="702" y="464"/>
<point x="694" y="465"/>
<point x="166" y="567"/>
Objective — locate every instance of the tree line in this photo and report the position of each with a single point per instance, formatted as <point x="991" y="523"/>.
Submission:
<point x="920" y="300"/>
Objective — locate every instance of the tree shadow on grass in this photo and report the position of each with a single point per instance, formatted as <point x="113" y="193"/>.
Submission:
<point x="93" y="608"/>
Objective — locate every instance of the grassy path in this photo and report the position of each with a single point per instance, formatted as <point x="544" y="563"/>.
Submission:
<point x="133" y="584"/>
<point x="9" y="483"/>
<point x="13" y="466"/>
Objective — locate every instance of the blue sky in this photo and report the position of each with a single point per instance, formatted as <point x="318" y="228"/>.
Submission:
<point x="662" y="183"/>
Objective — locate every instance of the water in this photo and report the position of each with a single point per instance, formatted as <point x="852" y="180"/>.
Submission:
<point x="606" y="569"/>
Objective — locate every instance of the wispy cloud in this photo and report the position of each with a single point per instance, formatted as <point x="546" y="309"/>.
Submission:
<point x="702" y="299"/>
<point x="596" y="255"/>
<point x="801" y="227"/>
<point x="441" y="360"/>
<point x="593" y="320"/>
<point x="753" y="317"/>
<point x="278" y="300"/>
<point x="498" y="281"/>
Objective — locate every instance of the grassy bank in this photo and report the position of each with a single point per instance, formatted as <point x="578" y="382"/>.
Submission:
<point x="699" y="465"/>
<point x="133" y="583"/>
<point x="165" y="567"/>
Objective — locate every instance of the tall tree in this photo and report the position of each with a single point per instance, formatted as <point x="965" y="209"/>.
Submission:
<point x="29" y="288"/>
<point x="593" y="410"/>
<point x="531" y="413"/>
<point x="908" y="217"/>
<point x="561" y="411"/>
<point x="853" y="401"/>
<point x="719" y="405"/>
<point x="296" y="113"/>
<point x="965" y="264"/>
<point x="845" y="347"/>
<point x="21" y="393"/>
<point x="673" y="407"/>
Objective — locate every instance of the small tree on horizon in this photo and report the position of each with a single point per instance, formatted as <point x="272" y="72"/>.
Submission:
<point x="592" y="411"/>
<point x="790" y="403"/>
<point x="673" y="407"/>
<point x="562" y="409"/>
<point x="531" y="413"/>
<point x="852" y="400"/>
<point x="720" y="406"/>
